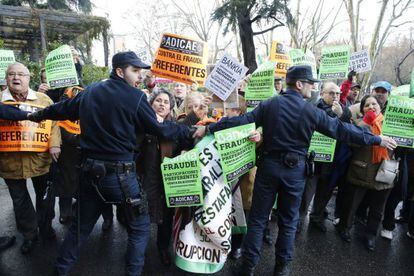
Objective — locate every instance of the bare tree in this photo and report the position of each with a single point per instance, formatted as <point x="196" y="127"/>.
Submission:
<point x="314" y="26"/>
<point x="382" y="28"/>
<point x="399" y="66"/>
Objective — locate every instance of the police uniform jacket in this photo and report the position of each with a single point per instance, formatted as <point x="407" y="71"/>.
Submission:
<point x="288" y="124"/>
<point x="111" y="114"/>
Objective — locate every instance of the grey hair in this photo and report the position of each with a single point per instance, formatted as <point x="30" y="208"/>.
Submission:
<point x="16" y="63"/>
<point x="159" y="91"/>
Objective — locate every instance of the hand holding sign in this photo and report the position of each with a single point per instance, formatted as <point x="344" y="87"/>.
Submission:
<point x="255" y="136"/>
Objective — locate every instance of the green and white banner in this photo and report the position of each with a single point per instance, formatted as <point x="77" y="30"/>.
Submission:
<point x="60" y="68"/>
<point x="403" y="91"/>
<point x="237" y="152"/>
<point x="323" y="146"/>
<point x="261" y="85"/>
<point x="203" y="240"/>
<point x="181" y="177"/>
<point x="298" y="57"/>
<point x="399" y="120"/>
<point x="6" y="58"/>
<point x="334" y="62"/>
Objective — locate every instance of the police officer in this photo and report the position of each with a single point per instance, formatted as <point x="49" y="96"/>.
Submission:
<point x="111" y="112"/>
<point x="288" y="123"/>
<point x="8" y="112"/>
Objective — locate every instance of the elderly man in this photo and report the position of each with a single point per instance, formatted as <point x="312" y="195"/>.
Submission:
<point x="17" y="166"/>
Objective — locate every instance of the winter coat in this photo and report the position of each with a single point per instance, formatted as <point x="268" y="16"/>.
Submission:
<point x="23" y="165"/>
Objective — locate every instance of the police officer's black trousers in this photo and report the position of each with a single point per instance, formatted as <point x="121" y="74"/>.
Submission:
<point x="274" y="177"/>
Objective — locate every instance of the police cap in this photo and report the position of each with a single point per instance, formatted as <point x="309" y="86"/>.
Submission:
<point x="300" y="72"/>
<point x="128" y="58"/>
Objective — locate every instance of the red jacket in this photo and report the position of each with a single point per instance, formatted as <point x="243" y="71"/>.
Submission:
<point x="345" y="88"/>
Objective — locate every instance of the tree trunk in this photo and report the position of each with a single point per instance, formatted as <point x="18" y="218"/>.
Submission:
<point x="246" y="39"/>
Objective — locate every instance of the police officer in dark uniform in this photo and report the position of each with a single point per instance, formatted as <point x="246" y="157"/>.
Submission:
<point x="288" y="124"/>
<point x="8" y="112"/>
<point x="111" y="113"/>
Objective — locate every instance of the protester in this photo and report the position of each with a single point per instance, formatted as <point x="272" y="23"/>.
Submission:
<point x="17" y="167"/>
<point x="9" y="113"/>
<point x="352" y="97"/>
<point x="110" y="114"/>
<point x="286" y="137"/>
<point x="278" y="85"/>
<point x="362" y="172"/>
<point x="152" y="153"/>
<point x="180" y="92"/>
<point x="321" y="181"/>
<point x="346" y="86"/>
<point x="381" y="90"/>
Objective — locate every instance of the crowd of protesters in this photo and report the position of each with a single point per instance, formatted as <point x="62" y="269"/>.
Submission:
<point x="359" y="198"/>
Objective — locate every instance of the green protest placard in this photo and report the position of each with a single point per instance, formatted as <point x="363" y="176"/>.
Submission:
<point x="323" y="146"/>
<point x="181" y="177"/>
<point x="261" y="85"/>
<point x="238" y="153"/>
<point x="334" y="62"/>
<point x="298" y="57"/>
<point x="399" y="120"/>
<point x="6" y="58"/>
<point x="403" y="91"/>
<point x="60" y="68"/>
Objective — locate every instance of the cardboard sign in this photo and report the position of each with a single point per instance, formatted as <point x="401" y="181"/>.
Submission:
<point x="144" y="55"/>
<point x="237" y="152"/>
<point x="261" y="85"/>
<point x="6" y="58"/>
<point x="181" y="59"/>
<point x="360" y="62"/>
<point x="60" y="68"/>
<point x="181" y="178"/>
<point x="27" y="136"/>
<point x="225" y="76"/>
<point x="399" y="121"/>
<point x="203" y="241"/>
<point x="334" y="62"/>
<point x="279" y="53"/>
<point x="298" y="57"/>
<point x="323" y="146"/>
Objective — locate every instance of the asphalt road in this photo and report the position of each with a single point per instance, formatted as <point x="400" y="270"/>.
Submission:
<point x="316" y="253"/>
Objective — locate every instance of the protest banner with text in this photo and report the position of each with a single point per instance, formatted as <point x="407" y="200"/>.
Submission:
<point x="6" y="58"/>
<point x="279" y="54"/>
<point x="181" y="59"/>
<point x="298" y="57"/>
<point x="334" y="62"/>
<point x="360" y="62"/>
<point x="60" y="68"/>
<point x="323" y="146"/>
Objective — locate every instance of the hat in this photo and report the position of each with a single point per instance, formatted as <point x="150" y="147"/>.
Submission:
<point x="300" y="72"/>
<point x="382" y="84"/>
<point x="356" y="85"/>
<point x="128" y="58"/>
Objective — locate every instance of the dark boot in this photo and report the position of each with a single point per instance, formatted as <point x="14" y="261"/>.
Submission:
<point x="242" y="269"/>
<point x="370" y="243"/>
<point x="281" y="269"/>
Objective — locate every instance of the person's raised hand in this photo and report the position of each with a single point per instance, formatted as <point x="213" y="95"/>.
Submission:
<point x="255" y="136"/>
<point x="200" y="132"/>
<point x="43" y="88"/>
<point x="337" y="108"/>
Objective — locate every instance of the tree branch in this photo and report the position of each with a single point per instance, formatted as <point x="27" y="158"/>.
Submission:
<point x="269" y="29"/>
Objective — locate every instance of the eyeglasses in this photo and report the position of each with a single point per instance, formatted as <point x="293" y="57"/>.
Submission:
<point x="333" y="94"/>
<point x="14" y="74"/>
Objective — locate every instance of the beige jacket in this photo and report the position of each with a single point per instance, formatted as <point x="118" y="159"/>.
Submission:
<point x="23" y="165"/>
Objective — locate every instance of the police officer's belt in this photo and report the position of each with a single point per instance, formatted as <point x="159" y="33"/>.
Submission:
<point x="282" y="155"/>
<point x="120" y="167"/>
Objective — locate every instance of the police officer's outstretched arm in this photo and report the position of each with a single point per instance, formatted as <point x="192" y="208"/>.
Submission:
<point x="255" y="116"/>
<point x="146" y="116"/>
<point x="346" y="132"/>
<point x="63" y="110"/>
<point x="8" y="112"/>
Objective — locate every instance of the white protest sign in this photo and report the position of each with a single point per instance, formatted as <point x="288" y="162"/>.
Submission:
<point x="360" y="61"/>
<point x="225" y="76"/>
<point x="144" y="55"/>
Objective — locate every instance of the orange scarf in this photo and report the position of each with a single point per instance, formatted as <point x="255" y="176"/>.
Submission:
<point x="378" y="153"/>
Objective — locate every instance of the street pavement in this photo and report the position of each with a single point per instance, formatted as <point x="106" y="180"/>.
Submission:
<point x="316" y="253"/>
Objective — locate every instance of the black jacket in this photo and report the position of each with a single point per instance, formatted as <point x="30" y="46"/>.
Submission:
<point x="8" y="112"/>
<point x="111" y="113"/>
